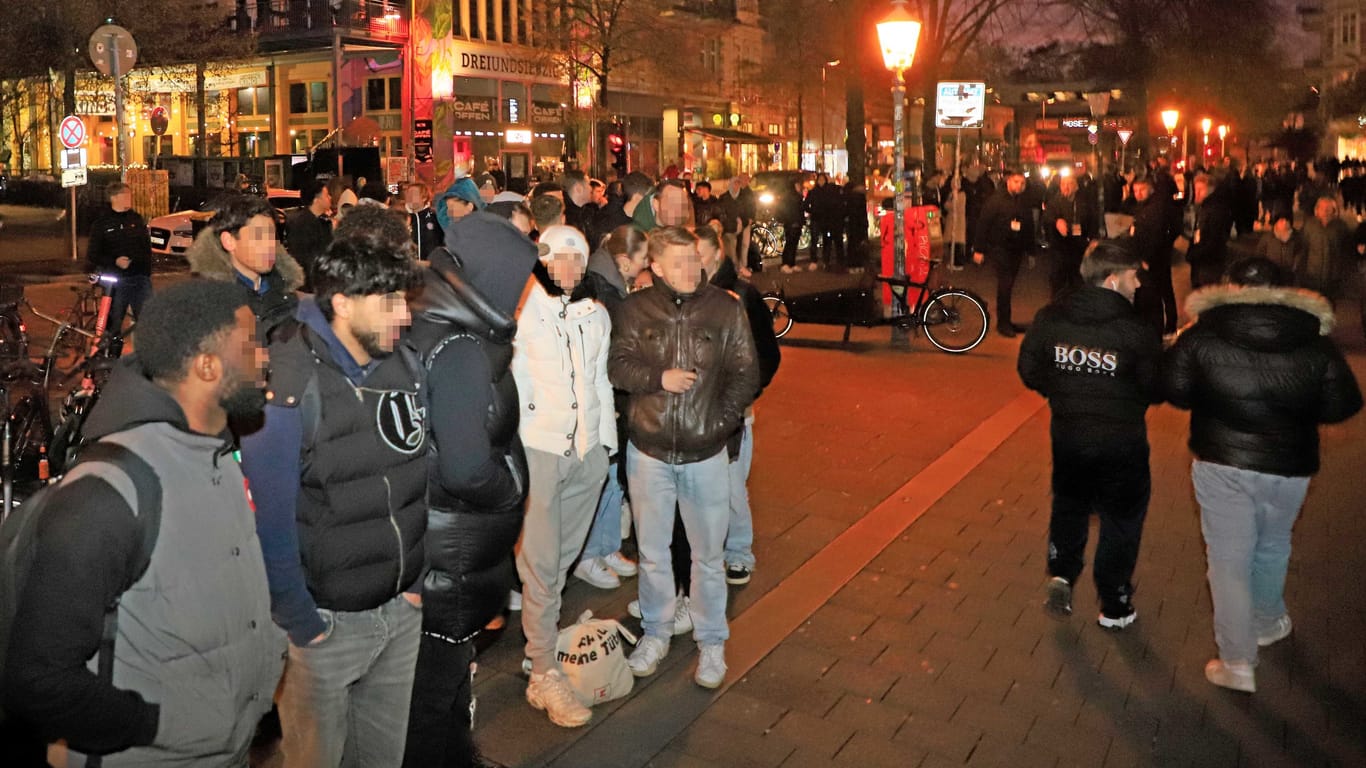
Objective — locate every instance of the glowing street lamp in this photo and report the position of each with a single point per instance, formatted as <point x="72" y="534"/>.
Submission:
<point x="1223" y="137"/>
<point x="898" y="34"/>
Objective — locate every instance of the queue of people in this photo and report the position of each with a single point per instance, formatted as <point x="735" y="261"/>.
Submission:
<point x="353" y="480"/>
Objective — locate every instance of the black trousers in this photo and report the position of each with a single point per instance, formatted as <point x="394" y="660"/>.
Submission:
<point x="1007" y="266"/>
<point x="1113" y="482"/>
<point x="831" y="237"/>
<point x="1160" y="277"/>
<point x="792" y="232"/>
<point x="440" y="719"/>
<point x="1206" y="271"/>
<point x="1066" y="272"/>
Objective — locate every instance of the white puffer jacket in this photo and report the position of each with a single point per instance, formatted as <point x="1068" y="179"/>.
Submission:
<point x="559" y="362"/>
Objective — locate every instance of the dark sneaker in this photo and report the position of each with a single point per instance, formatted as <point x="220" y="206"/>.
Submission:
<point x="737" y="574"/>
<point x="1117" y="620"/>
<point x="1059" y="602"/>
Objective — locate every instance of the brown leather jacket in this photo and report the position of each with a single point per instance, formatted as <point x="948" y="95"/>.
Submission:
<point x="705" y="331"/>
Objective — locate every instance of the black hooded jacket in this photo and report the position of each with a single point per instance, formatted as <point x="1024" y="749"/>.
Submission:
<point x="463" y="328"/>
<point x="1259" y="374"/>
<point x="769" y="355"/>
<point x="1096" y="361"/>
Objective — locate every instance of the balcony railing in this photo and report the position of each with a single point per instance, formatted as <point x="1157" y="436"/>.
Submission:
<point x="284" y="19"/>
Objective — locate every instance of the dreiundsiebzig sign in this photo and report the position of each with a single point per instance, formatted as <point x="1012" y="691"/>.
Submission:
<point x="960" y="105"/>
<point x="473" y="60"/>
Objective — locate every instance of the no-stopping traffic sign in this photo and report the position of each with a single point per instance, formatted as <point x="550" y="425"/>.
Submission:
<point x="72" y="132"/>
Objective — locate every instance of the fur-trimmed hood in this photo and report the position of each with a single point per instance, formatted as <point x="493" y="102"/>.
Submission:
<point x="208" y="259"/>
<point x="1205" y="299"/>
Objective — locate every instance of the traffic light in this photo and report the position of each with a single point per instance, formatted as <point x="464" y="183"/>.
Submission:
<point x="616" y="144"/>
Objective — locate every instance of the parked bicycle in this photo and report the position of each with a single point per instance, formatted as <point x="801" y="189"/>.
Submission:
<point x="953" y="319"/>
<point x="31" y="453"/>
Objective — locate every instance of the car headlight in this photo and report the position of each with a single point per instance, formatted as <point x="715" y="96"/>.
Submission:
<point x="766" y="198"/>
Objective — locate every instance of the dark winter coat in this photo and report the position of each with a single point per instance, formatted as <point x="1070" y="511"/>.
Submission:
<point x="1006" y="225"/>
<point x="1210" y="231"/>
<point x="427" y="234"/>
<point x="1288" y="255"/>
<point x="274" y="303"/>
<point x="463" y="328"/>
<point x="1078" y="219"/>
<point x="309" y="235"/>
<point x="766" y="348"/>
<point x="1150" y="239"/>
<point x="1096" y="360"/>
<point x="118" y="234"/>
<point x="707" y="331"/>
<point x="1259" y="373"/>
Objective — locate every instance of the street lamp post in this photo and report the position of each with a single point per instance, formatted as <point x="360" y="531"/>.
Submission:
<point x="1223" y="139"/>
<point x="1170" y="117"/>
<point x="1099" y="103"/>
<point x="898" y="34"/>
<point x="820" y="158"/>
<point x="1205" y="125"/>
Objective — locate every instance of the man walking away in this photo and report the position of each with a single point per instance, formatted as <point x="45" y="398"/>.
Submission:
<point x="1258" y="373"/>
<point x="688" y="395"/>
<point x="1211" y="223"/>
<point x="196" y="658"/>
<point x="309" y="229"/>
<point x="1096" y="361"/>
<point x="339" y="475"/>
<point x="121" y="247"/>
<point x="1005" y="232"/>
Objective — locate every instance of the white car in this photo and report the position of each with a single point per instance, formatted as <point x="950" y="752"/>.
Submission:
<point x="173" y="233"/>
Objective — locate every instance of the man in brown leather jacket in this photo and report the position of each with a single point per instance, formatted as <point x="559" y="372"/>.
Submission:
<point x="684" y="352"/>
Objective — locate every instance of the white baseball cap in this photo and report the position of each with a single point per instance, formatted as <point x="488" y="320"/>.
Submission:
<point x="560" y="238"/>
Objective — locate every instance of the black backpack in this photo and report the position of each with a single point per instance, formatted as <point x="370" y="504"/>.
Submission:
<point x="19" y="539"/>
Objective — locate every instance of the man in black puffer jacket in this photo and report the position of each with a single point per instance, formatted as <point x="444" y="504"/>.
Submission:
<point x="1259" y="374"/>
<point x="463" y="328"/>
<point x="1096" y="360"/>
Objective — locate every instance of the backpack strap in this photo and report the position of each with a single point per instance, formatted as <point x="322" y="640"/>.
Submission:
<point x="148" y="489"/>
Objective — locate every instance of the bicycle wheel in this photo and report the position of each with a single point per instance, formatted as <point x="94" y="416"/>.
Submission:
<point x="782" y="320"/>
<point x="30" y="429"/>
<point x="68" y="435"/>
<point x="770" y="244"/>
<point x="804" y="242"/>
<point x="955" y="321"/>
<point x="13" y="338"/>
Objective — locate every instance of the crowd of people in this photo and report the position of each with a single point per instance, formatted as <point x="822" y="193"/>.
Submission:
<point x="374" y="444"/>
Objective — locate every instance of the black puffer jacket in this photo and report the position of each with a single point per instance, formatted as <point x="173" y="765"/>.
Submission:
<point x="463" y="329"/>
<point x="1259" y="374"/>
<point x="1096" y="361"/>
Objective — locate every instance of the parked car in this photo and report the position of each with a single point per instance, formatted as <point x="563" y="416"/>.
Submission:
<point x="173" y="233"/>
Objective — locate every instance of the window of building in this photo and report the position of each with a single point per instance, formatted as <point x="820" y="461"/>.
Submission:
<point x="383" y="94"/>
<point x="308" y="98"/>
<point x="302" y="140"/>
<point x="774" y="129"/>
<point x="711" y="56"/>
<point x="391" y="146"/>
<point x="255" y="144"/>
<point x="1348" y="25"/>
<point x="254" y="101"/>
<point x="514" y="105"/>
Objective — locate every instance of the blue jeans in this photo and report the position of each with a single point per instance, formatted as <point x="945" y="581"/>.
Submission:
<point x="740" y="535"/>
<point x="604" y="537"/>
<point x="1246" y="518"/>
<point x="701" y="493"/>
<point x="345" y="700"/>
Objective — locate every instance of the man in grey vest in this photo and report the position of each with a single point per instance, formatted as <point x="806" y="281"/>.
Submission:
<point x="196" y="657"/>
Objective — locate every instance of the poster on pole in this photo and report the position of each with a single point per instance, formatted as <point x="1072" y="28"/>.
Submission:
<point x="960" y="105"/>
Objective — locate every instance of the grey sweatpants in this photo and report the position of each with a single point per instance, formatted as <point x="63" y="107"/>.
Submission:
<point x="561" y="499"/>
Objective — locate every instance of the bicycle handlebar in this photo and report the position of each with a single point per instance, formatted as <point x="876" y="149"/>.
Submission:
<point x="56" y="321"/>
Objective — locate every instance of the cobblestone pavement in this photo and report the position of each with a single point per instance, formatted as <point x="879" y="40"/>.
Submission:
<point x="936" y="651"/>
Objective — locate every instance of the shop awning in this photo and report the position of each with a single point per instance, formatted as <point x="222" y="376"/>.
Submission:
<point x="733" y="137"/>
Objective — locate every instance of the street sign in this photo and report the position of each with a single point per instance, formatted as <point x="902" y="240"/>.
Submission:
<point x="112" y="38"/>
<point x="1124" y="135"/>
<point x="960" y="105"/>
<point x="73" y="177"/>
<point x="160" y="121"/>
<point x="72" y="132"/>
<point x="73" y="158"/>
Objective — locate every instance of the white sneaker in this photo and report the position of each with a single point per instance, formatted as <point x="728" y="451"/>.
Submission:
<point x="551" y="693"/>
<point x="621" y="564"/>
<point x="682" y="614"/>
<point x="1234" y="675"/>
<point x="595" y="572"/>
<point x="515" y="601"/>
<point x="711" y="666"/>
<point x="1280" y="631"/>
<point x="645" y="658"/>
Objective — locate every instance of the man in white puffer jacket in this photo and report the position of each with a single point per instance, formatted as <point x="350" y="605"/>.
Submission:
<point x="568" y="428"/>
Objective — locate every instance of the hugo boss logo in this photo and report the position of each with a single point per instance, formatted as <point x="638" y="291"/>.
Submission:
<point x="401" y="421"/>
<point x="1085" y="359"/>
